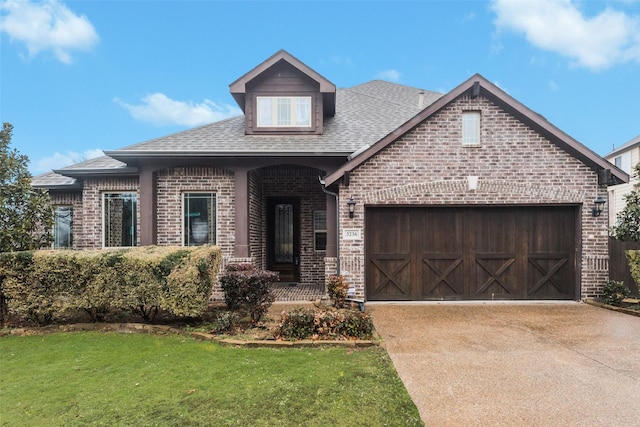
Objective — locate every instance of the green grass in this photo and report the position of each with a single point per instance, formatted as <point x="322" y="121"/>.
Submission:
<point x="113" y="379"/>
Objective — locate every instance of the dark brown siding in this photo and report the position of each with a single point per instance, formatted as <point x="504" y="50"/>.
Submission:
<point x="283" y="80"/>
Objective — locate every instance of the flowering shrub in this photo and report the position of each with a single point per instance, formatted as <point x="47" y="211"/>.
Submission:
<point x="325" y="324"/>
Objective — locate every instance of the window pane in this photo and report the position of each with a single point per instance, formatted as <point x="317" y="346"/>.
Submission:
<point x="284" y="111"/>
<point x="120" y="228"/>
<point x="62" y="236"/>
<point x="199" y="219"/>
<point x="471" y="127"/>
<point x="265" y="111"/>
<point x="303" y="111"/>
<point x="320" y="230"/>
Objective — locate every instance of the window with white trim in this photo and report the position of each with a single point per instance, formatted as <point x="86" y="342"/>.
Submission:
<point x="199" y="225"/>
<point x="470" y="127"/>
<point x="320" y="230"/>
<point x="62" y="231"/>
<point x="283" y="111"/>
<point x="119" y="225"/>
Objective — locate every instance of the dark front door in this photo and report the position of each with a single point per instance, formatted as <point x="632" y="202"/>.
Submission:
<point x="283" y="237"/>
<point x="471" y="253"/>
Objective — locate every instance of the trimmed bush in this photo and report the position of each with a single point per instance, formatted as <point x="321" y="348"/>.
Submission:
<point x="42" y="284"/>
<point x="247" y="287"/>
<point x="338" y="289"/>
<point x="325" y="324"/>
<point x="614" y="292"/>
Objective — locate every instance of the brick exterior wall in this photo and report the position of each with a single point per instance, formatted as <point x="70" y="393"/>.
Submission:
<point x="173" y="182"/>
<point x="75" y="201"/>
<point x="303" y="183"/>
<point x="514" y="165"/>
<point x="90" y="220"/>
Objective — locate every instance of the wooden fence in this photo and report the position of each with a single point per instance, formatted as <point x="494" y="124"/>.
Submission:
<point x="618" y="264"/>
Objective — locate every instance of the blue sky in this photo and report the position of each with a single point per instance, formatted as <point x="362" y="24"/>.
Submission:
<point x="77" y="77"/>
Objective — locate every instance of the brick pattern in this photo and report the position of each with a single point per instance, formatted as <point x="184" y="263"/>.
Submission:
<point x="514" y="165"/>
<point x="257" y="231"/>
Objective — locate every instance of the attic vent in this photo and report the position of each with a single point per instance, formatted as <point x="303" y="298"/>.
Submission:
<point x="475" y="90"/>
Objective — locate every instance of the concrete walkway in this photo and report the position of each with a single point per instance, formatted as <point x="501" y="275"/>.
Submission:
<point x="515" y="364"/>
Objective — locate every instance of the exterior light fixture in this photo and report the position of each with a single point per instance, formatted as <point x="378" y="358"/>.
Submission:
<point x="599" y="202"/>
<point x="352" y="206"/>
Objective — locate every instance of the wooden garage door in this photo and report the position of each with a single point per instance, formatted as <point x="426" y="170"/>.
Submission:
<point x="470" y="253"/>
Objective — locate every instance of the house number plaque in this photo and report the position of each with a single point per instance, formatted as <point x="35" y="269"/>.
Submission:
<point x="351" y="234"/>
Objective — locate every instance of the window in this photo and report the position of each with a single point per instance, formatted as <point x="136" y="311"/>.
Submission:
<point x="470" y="127"/>
<point x="320" y="230"/>
<point x="618" y="161"/>
<point x="284" y="111"/>
<point x="119" y="219"/>
<point x="62" y="222"/>
<point x="199" y="227"/>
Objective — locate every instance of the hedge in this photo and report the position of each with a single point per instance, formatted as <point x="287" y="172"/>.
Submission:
<point x="41" y="285"/>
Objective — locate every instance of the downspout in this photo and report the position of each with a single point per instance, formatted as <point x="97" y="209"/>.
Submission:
<point x="331" y="193"/>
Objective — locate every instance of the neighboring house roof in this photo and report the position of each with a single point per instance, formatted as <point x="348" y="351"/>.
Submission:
<point x="478" y="85"/>
<point x="624" y="147"/>
<point x="364" y="114"/>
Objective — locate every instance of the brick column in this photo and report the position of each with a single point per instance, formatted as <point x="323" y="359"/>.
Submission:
<point x="148" y="207"/>
<point x="241" y="247"/>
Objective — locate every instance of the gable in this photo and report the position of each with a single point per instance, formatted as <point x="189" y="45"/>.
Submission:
<point x="474" y="88"/>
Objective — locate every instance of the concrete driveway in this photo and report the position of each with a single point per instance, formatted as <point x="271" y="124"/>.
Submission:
<point x="520" y="364"/>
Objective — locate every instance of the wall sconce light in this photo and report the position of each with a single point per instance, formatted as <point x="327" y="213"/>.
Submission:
<point x="599" y="202"/>
<point x="352" y="206"/>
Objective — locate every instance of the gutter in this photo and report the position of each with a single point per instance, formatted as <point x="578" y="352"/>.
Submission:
<point x="331" y="193"/>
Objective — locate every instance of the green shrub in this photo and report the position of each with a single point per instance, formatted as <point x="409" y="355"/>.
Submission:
<point x="35" y="287"/>
<point x="225" y="322"/>
<point x="247" y="287"/>
<point x="296" y="324"/>
<point x="337" y="288"/>
<point x="614" y="292"/>
<point x="325" y="324"/>
<point x="41" y="285"/>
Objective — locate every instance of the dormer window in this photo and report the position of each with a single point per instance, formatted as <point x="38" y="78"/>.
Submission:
<point x="284" y="111"/>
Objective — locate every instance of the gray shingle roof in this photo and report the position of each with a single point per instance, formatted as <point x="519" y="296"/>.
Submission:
<point x="52" y="180"/>
<point x="364" y="114"/>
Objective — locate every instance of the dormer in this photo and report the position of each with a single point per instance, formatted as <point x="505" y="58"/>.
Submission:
<point x="284" y="96"/>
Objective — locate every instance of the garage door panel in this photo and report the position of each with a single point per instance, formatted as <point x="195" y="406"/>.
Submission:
<point x="550" y="276"/>
<point x="442" y="276"/>
<point x="495" y="276"/>
<point x="390" y="277"/>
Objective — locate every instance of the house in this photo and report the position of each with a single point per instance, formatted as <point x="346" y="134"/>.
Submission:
<point x="409" y="194"/>
<point x="625" y="157"/>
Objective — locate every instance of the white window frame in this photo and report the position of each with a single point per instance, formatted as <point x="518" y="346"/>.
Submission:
<point x="471" y="127"/>
<point x="269" y="109"/>
<point x="182" y="216"/>
<point x="104" y="222"/>
<point x="319" y="230"/>
<point x="55" y="228"/>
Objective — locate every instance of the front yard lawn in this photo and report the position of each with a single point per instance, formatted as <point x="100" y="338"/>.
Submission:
<point x="114" y="379"/>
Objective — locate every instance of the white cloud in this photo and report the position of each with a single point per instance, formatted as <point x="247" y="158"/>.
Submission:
<point x="390" y="75"/>
<point x="59" y="160"/>
<point x="47" y="26"/>
<point x="559" y="26"/>
<point x="159" y="109"/>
